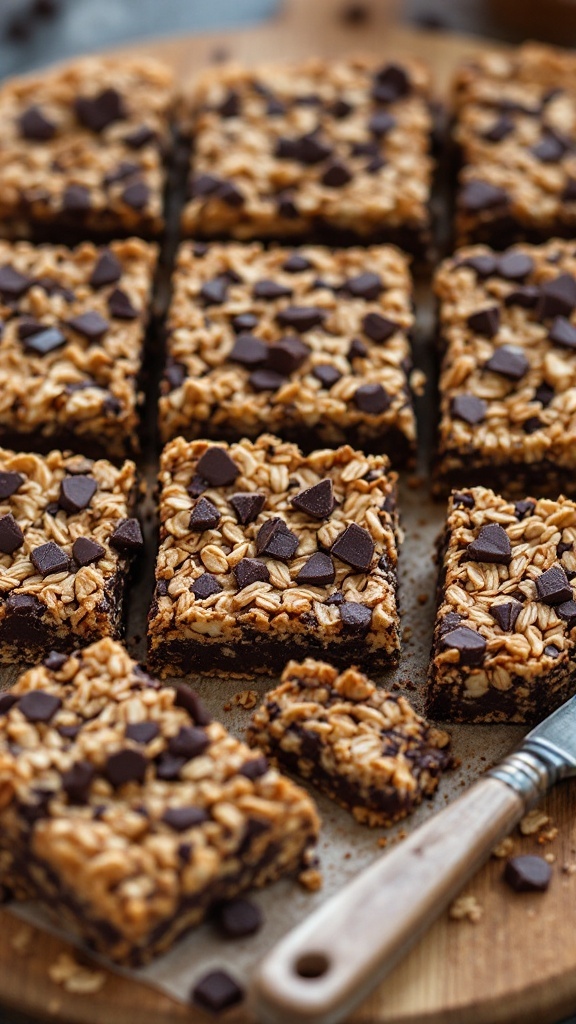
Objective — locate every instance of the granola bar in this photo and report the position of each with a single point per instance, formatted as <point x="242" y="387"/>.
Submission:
<point x="72" y="324"/>
<point x="515" y="135"/>
<point x="67" y="536"/>
<point x="504" y="640"/>
<point x="126" y="812"/>
<point x="304" y="343"/>
<point x="508" y="378"/>
<point x="335" y="151"/>
<point x="364" y="747"/>
<point x="266" y="554"/>
<point x="83" y="148"/>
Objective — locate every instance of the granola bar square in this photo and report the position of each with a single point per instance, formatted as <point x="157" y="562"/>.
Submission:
<point x="305" y="343"/>
<point x="366" y="748"/>
<point x="266" y="554"/>
<point x="126" y="812"/>
<point x="504" y="641"/>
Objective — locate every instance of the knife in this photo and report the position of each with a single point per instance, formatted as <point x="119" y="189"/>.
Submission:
<point x="321" y="970"/>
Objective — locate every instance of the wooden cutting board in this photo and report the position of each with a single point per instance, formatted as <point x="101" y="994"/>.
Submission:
<point x="518" y="963"/>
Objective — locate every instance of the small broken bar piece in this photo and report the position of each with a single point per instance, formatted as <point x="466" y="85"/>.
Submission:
<point x="508" y="378"/>
<point x="67" y="536"/>
<point x="83" y="150"/>
<point x="72" y="328"/>
<point x="127" y="813"/>
<point x="504" y="640"/>
<point x="334" y="151"/>
<point x="267" y="554"/>
<point x="305" y="343"/>
<point x="364" y="747"/>
<point x="515" y="135"/>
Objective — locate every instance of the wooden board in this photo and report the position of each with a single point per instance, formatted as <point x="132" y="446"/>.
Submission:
<point x="518" y="964"/>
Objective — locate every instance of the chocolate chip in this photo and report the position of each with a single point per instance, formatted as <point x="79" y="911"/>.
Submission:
<point x="448" y="622"/>
<point x="97" y="112"/>
<point x="392" y="82"/>
<point x="120" y="306"/>
<point x="230" y="106"/>
<point x="230" y="194"/>
<point x="254" y="768"/>
<point x="563" y="332"/>
<point x="205" y="516"/>
<point x="90" y="324"/>
<point x="140" y="137"/>
<point x="54" y="662"/>
<point x="372" y="399"/>
<point x="514" y="265"/>
<point x="296" y="263"/>
<point x="11" y="536"/>
<point x="76" y="492"/>
<point x="13" y="284"/>
<point x="491" y="545"/>
<point x="271" y="290"/>
<point x="39" y="706"/>
<point x="377" y="327"/>
<point x="275" y="107"/>
<point x="287" y="355"/>
<point x="248" y="350"/>
<point x="308" y="149"/>
<point x="553" y="586"/>
<point x="125" y="169"/>
<point x="125" y="766"/>
<point x="569" y="193"/>
<point x="357" y="349"/>
<point x="499" y="129"/>
<point x="7" y="701"/>
<point x="190" y="701"/>
<point x="43" y="341"/>
<point x="197" y="486"/>
<point x="142" y="732"/>
<point x="317" y="571"/>
<point x="214" y="292"/>
<point x="557" y="297"/>
<point x="287" y="207"/>
<point x="469" y="408"/>
<point x="316" y="501"/>
<point x="203" y="185"/>
<point x="24" y="605"/>
<point x="459" y="499"/>
<point x="35" y="125"/>
<point x="509" y="361"/>
<point x="183" y="818"/>
<point x="523" y="509"/>
<point x="49" y="558"/>
<point x="544" y="394"/>
<point x="127" y="537"/>
<point x="276" y="540"/>
<point x="250" y="570"/>
<point x="485" y="321"/>
<point x="247" y="505"/>
<point x="238" y="918"/>
<point x="9" y="484"/>
<point x="217" y="991"/>
<point x="469" y="644"/>
<point x="327" y="374"/>
<point x="266" y="380"/>
<point x="301" y="318"/>
<point x="476" y="196"/>
<point x="550" y="149"/>
<point x="216" y="466"/>
<point x="340" y="109"/>
<point x="205" y="586"/>
<point x="506" y="614"/>
<point x="336" y="175"/>
<point x="355" y="547"/>
<point x="532" y="424"/>
<point x="485" y="264"/>
<point x="136" y="195"/>
<point x="244" y="322"/>
<point x="356" y="618"/>
<point x="380" y="123"/>
<point x="76" y="199"/>
<point x="562" y="547"/>
<point x="175" y="374"/>
<point x="567" y="611"/>
<point x="168" y="768"/>
<point x="77" y="780"/>
<point x="365" y="286"/>
<point x="528" y="873"/>
<point x="188" y="742"/>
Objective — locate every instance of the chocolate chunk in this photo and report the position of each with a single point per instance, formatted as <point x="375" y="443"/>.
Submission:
<point x="499" y="129"/>
<point x="244" y="322"/>
<point x="266" y="380"/>
<point x="296" y="263"/>
<point x="11" y="536"/>
<point x="484" y="264"/>
<point x="318" y="571"/>
<point x="97" y="112"/>
<point x="217" y="991"/>
<point x="301" y="318"/>
<point x="127" y="537"/>
<point x="43" y="341"/>
<point x="230" y="106"/>
<point x="528" y="873"/>
<point x="287" y="207"/>
<point x="190" y="701"/>
<point x="392" y="82"/>
<point x="7" y="701"/>
<point x="168" y="768"/>
<point x="39" y="706"/>
<point x="275" y="107"/>
<point x="9" y="484"/>
<point x="380" y="123"/>
<point x="469" y="408"/>
<point x="77" y="780"/>
<point x="205" y="586"/>
<point x="86" y="551"/>
<point x="271" y="290"/>
<point x="49" y="558"/>
<point x="491" y="545"/>
<point x="476" y="196"/>
<point x="249" y="350"/>
<point x="76" y="199"/>
<point x="203" y="185"/>
<point x="557" y="297"/>
<point x="550" y="149"/>
<point x="569" y="193"/>
<point x="125" y="169"/>
<point x="126" y="765"/>
<point x="372" y="399"/>
<point x="336" y="175"/>
<point x="356" y="618"/>
<point x="230" y="194"/>
<point x="514" y="265"/>
<point x="448" y="622"/>
<point x="532" y="424"/>
<point x="567" y="611"/>
<point x="136" y="195"/>
<point x="316" y="501"/>
<point x="24" y="605"/>
<point x="506" y="614"/>
<point x="377" y="327"/>
<point x="13" y="284"/>
<point x="54" y="661"/>
<point x="205" y="516"/>
<point x="183" y="818"/>
<point x="28" y="326"/>
<point x="90" y="324"/>
<point x="216" y="466"/>
<point x="563" y="332"/>
<point x="250" y="570"/>
<point x="365" y="286"/>
<point x="509" y="361"/>
<point x="238" y="918"/>
<point x="287" y="355"/>
<point x="355" y="547"/>
<point x="247" y="505"/>
<point x="197" y="486"/>
<point x="142" y="732"/>
<point x="340" y="109"/>
<point x="470" y="645"/>
<point x="140" y="137"/>
<point x="308" y="149"/>
<point x="76" y="492"/>
<point x="188" y="742"/>
<point x="525" y="296"/>
<point x="327" y="374"/>
<point x="553" y="586"/>
<point x="254" y="768"/>
<point x="357" y="349"/>
<point x="562" y="547"/>
<point x="214" y="292"/>
<point x="175" y="374"/>
<point x="485" y="321"/>
<point x="276" y="540"/>
<point x="120" y="306"/>
<point x="35" y="125"/>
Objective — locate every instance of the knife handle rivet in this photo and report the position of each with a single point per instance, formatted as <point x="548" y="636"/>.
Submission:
<point x="312" y="965"/>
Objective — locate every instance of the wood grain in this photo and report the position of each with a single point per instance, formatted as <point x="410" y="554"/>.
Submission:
<point x="518" y="964"/>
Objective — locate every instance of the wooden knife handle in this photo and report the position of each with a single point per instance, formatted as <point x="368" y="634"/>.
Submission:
<point x="323" y="968"/>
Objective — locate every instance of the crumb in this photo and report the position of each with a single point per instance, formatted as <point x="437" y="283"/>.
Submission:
<point x="504" y="849"/>
<point x="383" y="841"/>
<point x="310" y="879"/>
<point x="569" y="868"/>
<point x="466" y="907"/>
<point x="246" y="699"/>
<point x="73" y="977"/>
<point x="533" y="822"/>
<point x="22" y="939"/>
<point x="347" y="856"/>
<point x="407" y="633"/>
<point x="550" y="857"/>
<point x="548" y="836"/>
<point x="422" y="598"/>
<point x="227" y="707"/>
<point x="414" y="481"/>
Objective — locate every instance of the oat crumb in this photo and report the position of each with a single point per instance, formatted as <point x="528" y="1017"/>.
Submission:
<point x="466" y="907"/>
<point x="504" y="849"/>
<point x="550" y="857"/>
<point x="422" y="598"/>
<point x="407" y="633"/>
<point x="311" y="879"/>
<point x="22" y="939"/>
<point x="548" y="836"/>
<point x="533" y="822"/>
<point x="73" y="977"/>
<point x="569" y="868"/>
<point x="383" y="841"/>
<point x="246" y="699"/>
